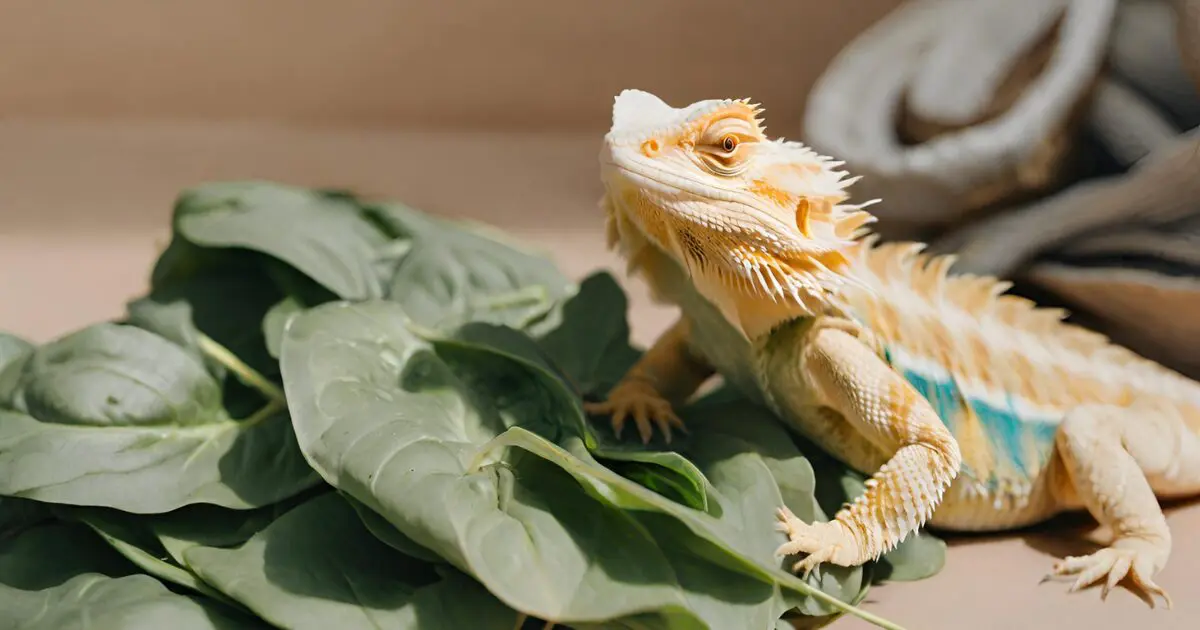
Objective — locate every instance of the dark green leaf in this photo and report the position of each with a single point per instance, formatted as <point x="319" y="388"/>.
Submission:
<point x="920" y="556"/>
<point x="666" y="472"/>
<point x="223" y="298"/>
<point x="748" y="456"/>
<point x="62" y="577"/>
<point x="388" y="534"/>
<point x="212" y="526"/>
<point x="18" y="514"/>
<point x="96" y="602"/>
<point x="591" y="345"/>
<point x="130" y="536"/>
<point x="49" y="554"/>
<point x="318" y="567"/>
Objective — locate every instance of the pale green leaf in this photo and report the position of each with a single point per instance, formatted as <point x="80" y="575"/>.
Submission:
<point x="324" y="237"/>
<point x="276" y="320"/>
<point x="114" y="375"/>
<point x="12" y="347"/>
<point x="416" y="429"/>
<point x="451" y="273"/>
<point x="116" y="416"/>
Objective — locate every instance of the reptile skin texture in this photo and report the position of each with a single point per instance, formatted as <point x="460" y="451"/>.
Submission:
<point x="971" y="409"/>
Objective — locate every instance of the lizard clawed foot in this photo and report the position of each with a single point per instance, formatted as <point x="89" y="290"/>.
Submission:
<point x="823" y="542"/>
<point x="641" y="402"/>
<point x="1137" y="559"/>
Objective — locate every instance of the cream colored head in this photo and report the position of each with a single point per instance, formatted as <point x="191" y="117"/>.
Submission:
<point x="747" y="216"/>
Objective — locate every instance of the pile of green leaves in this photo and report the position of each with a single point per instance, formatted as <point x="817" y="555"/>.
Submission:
<point x="329" y="413"/>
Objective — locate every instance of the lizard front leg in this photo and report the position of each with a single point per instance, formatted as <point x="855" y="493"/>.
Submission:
<point x="668" y="373"/>
<point x="884" y="409"/>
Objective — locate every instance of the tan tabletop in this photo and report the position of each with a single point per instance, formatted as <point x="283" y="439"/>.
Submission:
<point x="84" y="208"/>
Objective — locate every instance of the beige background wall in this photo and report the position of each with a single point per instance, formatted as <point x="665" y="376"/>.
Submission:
<point x="415" y="63"/>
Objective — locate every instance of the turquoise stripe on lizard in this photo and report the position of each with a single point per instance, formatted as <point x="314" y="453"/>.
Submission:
<point x="1021" y="443"/>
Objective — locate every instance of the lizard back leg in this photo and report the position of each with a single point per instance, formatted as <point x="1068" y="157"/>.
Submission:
<point x="1118" y="461"/>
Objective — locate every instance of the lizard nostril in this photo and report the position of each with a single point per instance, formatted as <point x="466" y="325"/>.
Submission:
<point x="650" y="147"/>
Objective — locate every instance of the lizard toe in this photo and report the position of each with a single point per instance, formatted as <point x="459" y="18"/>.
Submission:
<point x="822" y="542"/>
<point x="1114" y="564"/>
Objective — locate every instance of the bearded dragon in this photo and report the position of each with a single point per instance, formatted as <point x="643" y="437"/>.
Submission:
<point x="971" y="408"/>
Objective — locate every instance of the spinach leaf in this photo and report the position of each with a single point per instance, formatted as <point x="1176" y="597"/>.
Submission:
<point x="114" y="375"/>
<point x="318" y="567"/>
<point x="18" y="514"/>
<point x="387" y="421"/>
<point x="275" y="321"/>
<point x="54" y="552"/>
<point x="591" y="344"/>
<point x="12" y="347"/>
<point x="589" y="351"/>
<point x="61" y="577"/>
<point x="212" y="526"/>
<point x="116" y="416"/>
<point x="751" y="461"/>
<point x="415" y="427"/>
<point x="129" y="536"/>
<point x="388" y="534"/>
<point x="223" y="302"/>
<point x="14" y="352"/>
<point x="453" y="273"/>
<point x="324" y="237"/>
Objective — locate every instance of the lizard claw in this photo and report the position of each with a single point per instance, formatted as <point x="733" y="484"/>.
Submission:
<point x="1134" y="559"/>
<point x="823" y="542"/>
<point x="644" y="405"/>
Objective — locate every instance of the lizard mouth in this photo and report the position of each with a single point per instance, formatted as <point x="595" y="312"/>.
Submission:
<point x="739" y="208"/>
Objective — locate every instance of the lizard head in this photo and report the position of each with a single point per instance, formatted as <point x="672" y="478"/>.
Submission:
<point x="747" y="216"/>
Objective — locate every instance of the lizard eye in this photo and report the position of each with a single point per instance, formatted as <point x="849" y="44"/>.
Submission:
<point x="723" y="147"/>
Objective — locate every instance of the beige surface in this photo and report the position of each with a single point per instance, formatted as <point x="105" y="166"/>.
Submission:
<point x="102" y="194"/>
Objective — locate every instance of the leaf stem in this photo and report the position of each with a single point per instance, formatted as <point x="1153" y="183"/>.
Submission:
<point x="514" y="437"/>
<point x="247" y="374"/>
<point x="531" y="294"/>
<point x="272" y="407"/>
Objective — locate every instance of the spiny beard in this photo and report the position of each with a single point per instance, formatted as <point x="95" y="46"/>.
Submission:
<point x="798" y="280"/>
